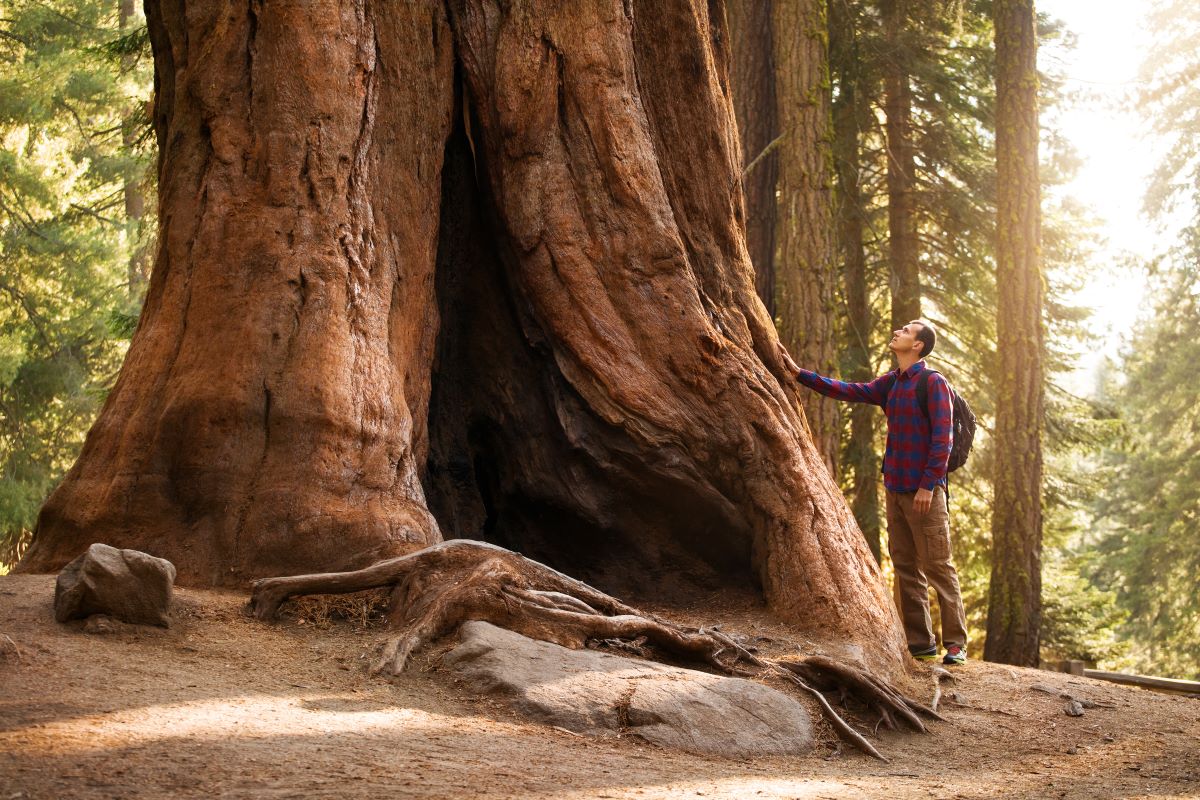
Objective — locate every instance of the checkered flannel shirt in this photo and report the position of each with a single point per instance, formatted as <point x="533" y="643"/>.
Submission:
<point x="915" y="457"/>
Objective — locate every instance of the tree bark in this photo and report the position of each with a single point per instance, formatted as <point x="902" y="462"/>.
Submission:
<point x="271" y="412"/>
<point x="1014" y="598"/>
<point x="805" y="274"/>
<point x="753" y="78"/>
<point x="903" y="246"/>
<point x="851" y="116"/>
<point x="592" y="268"/>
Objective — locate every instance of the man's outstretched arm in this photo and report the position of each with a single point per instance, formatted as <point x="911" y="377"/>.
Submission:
<point x="874" y="392"/>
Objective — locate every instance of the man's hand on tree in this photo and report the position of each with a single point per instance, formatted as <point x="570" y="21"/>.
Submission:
<point x="788" y="363"/>
<point x="922" y="501"/>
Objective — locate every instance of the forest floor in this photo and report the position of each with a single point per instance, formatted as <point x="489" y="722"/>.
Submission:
<point x="222" y="705"/>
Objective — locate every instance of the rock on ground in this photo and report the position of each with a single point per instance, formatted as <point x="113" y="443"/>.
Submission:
<point x="597" y="694"/>
<point x="127" y="585"/>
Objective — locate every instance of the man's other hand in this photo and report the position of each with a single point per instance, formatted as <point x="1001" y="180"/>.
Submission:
<point x="922" y="501"/>
<point x="786" y="358"/>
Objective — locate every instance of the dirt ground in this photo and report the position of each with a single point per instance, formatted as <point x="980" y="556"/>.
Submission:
<point x="222" y="705"/>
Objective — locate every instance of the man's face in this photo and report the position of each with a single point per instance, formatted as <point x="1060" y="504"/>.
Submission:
<point x="905" y="339"/>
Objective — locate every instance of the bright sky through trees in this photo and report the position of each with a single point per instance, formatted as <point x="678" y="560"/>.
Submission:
<point x="1113" y="142"/>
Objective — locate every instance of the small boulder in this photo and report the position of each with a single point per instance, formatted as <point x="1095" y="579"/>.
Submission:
<point x="597" y="694"/>
<point x="127" y="585"/>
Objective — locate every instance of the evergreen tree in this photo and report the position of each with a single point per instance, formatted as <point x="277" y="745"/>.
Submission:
<point x="1151" y="550"/>
<point x="1014" y="604"/>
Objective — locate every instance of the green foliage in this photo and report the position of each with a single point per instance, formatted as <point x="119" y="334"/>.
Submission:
<point x="1080" y="620"/>
<point x="1171" y="101"/>
<point x="1150" y="550"/>
<point x="1146" y="540"/>
<point x="70" y="121"/>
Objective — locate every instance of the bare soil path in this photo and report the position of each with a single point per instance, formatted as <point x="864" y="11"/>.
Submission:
<point x="221" y="705"/>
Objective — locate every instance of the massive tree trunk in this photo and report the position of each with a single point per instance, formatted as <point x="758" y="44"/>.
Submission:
<point x="1015" y="595"/>
<point x="903" y="252"/>
<point x="608" y="395"/>
<point x="805" y="274"/>
<point x="753" y="79"/>
<point x="270" y="415"/>
<point x="851" y="116"/>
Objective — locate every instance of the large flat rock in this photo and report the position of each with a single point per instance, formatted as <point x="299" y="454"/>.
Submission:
<point x="600" y="694"/>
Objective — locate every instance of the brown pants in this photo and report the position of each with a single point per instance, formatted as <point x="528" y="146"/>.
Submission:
<point x="919" y="545"/>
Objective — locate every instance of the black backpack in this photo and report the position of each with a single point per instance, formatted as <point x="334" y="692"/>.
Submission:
<point x="962" y="419"/>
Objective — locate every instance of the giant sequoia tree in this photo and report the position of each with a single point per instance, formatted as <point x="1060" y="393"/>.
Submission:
<point x="475" y="270"/>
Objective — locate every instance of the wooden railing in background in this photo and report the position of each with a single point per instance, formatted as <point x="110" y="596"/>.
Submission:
<point x="1168" y="685"/>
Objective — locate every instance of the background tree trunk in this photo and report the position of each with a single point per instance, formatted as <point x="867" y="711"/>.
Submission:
<point x="850" y="118"/>
<point x="901" y="167"/>
<point x="753" y="79"/>
<point x="609" y="392"/>
<point x="134" y="196"/>
<point x="1014" y="599"/>
<point x="270" y="415"/>
<point x="805" y="274"/>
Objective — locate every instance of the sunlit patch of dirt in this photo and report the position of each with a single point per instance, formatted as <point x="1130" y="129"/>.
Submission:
<point x="222" y="705"/>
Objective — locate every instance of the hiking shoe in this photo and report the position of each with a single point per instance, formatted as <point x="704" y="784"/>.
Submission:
<point x="924" y="654"/>
<point x="955" y="655"/>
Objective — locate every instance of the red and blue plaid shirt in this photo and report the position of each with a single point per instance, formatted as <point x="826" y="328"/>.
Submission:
<point x="915" y="457"/>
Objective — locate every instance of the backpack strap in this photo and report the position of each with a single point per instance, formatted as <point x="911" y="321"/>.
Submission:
<point x="923" y="401"/>
<point x="923" y="393"/>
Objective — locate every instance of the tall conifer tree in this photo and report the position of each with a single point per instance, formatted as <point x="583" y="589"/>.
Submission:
<point x="1014" y="604"/>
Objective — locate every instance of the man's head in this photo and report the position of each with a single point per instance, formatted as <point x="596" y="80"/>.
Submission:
<point x="917" y="338"/>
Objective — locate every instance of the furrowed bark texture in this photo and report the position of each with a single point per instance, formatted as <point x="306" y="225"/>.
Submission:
<point x="611" y="165"/>
<point x="901" y="168"/>
<point x="271" y="413"/>
<point x="849" y="120"/>
<point x="753" y="78"/>
<point x="1014" y="601"/>
<point x="608" y="394"/>
<point x="805" y="275"/>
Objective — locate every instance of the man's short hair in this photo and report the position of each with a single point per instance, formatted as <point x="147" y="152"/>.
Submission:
<point x="927" y="336"/>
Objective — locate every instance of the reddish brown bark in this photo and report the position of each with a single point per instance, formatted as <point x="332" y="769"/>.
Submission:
<point x="608" y="391"/>
<point x="271" y="412"/>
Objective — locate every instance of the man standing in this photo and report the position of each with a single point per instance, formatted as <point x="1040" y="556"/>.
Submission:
<point x="914" y="474"/>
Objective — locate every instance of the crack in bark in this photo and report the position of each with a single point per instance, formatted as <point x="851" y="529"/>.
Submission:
<point x="252" y="11"/>
<point x="354" y="241"/>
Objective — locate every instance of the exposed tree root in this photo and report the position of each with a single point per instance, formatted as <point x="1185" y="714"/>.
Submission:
<point x="818" y="672"/>
<point x="437" y="589"/>
<point x="440" y="587"/>
<point x="827" y="674"/>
